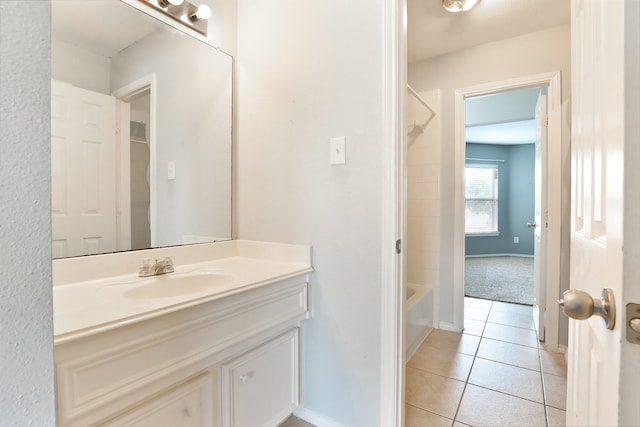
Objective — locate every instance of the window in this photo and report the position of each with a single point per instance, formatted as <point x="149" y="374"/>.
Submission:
<point x="481" y="199"/>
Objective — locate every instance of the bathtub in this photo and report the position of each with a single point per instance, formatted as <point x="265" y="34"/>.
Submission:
<point x="419" y="314"/>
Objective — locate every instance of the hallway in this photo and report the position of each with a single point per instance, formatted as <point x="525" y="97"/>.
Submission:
<point x="495" y="373"/>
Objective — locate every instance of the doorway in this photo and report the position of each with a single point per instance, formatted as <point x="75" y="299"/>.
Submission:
<point x="139" y="169"/>
<point x="136" y="203"/>
<point x="549" y="215"/>
<point x="500" y="195"/>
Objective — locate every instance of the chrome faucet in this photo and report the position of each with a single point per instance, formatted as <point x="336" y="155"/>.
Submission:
<point x="163" y="266"/>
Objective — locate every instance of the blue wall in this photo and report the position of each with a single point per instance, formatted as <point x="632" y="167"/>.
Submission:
<point x="515" y="198"/>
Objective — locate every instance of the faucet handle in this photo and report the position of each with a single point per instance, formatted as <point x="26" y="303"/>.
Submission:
<point x="168" y="264"/>
<point x="145" y="267"/>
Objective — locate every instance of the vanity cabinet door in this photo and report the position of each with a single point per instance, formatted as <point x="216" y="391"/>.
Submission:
<point x="260" y="388"/>
<point x="192" y="404"/>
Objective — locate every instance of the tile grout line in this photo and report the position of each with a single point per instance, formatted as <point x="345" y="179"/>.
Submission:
<point x="427" y="410"/>
<point x="544" y="391"/>
<point x="484" y="339"/>
<point x="475" y="355"/>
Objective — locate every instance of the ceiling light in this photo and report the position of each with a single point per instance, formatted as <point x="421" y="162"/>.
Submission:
<point x="459" y="5"/>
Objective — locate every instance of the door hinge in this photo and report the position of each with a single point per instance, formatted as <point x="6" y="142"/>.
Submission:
<point x="398" y="246"/>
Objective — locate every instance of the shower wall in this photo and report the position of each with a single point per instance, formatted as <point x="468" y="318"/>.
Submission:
<point x="423" y="191"/>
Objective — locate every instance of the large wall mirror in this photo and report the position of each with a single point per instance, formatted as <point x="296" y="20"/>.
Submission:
<point x="141" y="132"/>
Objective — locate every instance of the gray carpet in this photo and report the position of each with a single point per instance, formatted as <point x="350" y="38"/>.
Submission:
<point x="503" y="278"/>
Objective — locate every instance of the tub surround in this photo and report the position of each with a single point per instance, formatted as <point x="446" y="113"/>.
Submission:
<point x="127" y="356"/>
<point x="419" y="316"/>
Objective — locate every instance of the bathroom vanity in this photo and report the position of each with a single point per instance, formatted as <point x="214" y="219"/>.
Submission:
<point x="141" y="138"/>
<point x="216" y="342"/>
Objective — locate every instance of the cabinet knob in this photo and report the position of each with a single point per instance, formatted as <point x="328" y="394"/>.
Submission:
<point x="189" y="411"/>
<point x="246" y="377"/>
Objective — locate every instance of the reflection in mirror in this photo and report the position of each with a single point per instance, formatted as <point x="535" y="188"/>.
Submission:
<point x="140" y="129"/>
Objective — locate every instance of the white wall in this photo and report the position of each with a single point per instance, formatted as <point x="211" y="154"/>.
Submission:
<point x="26" y="325"/>
<point x="221" y="31"/>
<point x="534" y="53"/>
<point x="193" y="130"/>
<point x="80" y="67"/>
<point x="308" y="72"/>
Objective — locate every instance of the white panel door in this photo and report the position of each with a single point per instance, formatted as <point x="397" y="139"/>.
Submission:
<point x="540" y="218"/>
<point x="604" y="370"/>
<point x="83" y="171"/>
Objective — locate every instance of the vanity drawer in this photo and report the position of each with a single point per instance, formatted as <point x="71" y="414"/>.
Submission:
<point x="187" y="405"/>
<point x="261" y="388"/>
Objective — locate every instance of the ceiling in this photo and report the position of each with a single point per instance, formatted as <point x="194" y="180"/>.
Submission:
<point x="433" y="31"/>
<point x="510" y="133"/>
<point x="505" y="118"/>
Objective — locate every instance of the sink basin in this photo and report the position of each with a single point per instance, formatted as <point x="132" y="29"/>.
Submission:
<point x="167" y="286"/>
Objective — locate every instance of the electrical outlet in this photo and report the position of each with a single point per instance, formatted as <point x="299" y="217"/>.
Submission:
<point x="516" y="239"/>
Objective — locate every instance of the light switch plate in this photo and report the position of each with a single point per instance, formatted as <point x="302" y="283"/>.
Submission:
<point x="337" y="155"/>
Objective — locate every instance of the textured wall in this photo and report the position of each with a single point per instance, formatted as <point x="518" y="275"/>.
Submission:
<point x="26" y="326"/>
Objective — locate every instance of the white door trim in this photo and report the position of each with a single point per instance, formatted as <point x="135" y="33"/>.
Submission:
<point x="553" y="81"/>
<point x="629" y="410"/>
<point x="393" y="184"/>
<point x="123" y="179"/>
<point x="126" y="93"/>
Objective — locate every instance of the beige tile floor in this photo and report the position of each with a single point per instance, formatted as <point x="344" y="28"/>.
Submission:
<point x="493" y="374"/>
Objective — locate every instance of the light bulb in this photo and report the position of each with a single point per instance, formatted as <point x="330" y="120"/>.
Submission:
<point x="203" y="12"/>
<point x="459" y="5"/>
<point x="167" y="3"/>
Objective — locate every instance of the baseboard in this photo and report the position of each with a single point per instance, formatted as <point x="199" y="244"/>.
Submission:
<point x="315" y="418"/>
<point x="494" y="255"/>
<point x="411" y="350"/>
<point x="446" y="326"/>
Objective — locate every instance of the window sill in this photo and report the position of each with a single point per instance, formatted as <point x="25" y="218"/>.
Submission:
<point x="482" y="234"/>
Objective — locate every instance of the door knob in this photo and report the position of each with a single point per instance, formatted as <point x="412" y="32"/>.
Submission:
<point x="580" y="305"/>
<point x="532" y="225"/>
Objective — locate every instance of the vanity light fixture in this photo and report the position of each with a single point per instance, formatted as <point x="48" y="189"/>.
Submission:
<point x="459" y="5"/>
<point x="168" y="3"/>
<point x="203" y="12"/>
<point x="190" y="15"/>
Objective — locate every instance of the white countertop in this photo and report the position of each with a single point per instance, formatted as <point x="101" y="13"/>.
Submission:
<point x="87" y="306"/>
